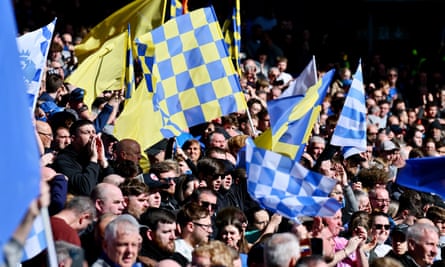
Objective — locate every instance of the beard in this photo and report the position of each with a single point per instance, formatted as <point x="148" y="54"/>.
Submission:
<point x="168" y="248"/>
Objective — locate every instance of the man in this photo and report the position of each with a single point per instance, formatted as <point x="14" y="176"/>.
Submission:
<point x="196" y="228"/>
<point x="207" y="198"/>
<point x="45" y="134"/>
<point x="379" y="198"/>
<point x="83" y="161"/>
<point x="154" y="190"/>
<point x="158" y="237"/>
<point x="121" y="243"/>
<point x="135" y="195"/>
<point x="54" y="89"/>
<point x="166" y="172"/>
<point x="108" y="198"/>
<point x="78" y="213"/>
<point x="128" y="149"/>
<point x="423" y="242"/>
<point x="61" y="139"/>
<point x="282" y="250"/>
<point x="316" y="146"/>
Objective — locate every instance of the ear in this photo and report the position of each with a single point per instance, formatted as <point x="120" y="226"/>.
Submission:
<point x="411" y="245"/>
<point x="405" y="213"/>
<point x="126" y="200"/>
<point x="150" y="234"/>
<point x="98" y="204"/>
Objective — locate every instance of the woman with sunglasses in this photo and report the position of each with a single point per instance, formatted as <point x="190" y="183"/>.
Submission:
<point x="378" y="235"/>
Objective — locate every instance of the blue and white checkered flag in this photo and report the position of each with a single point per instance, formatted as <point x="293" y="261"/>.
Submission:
<point x="33" y="50"/>
<point x="36" y="241"/>
<point x="284" y="186"/>
<point x="351" y="126"/>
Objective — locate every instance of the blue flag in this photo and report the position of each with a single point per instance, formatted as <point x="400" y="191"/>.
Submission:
<point x="423" y="174"/>
<point x="351" y="126"/>
<point x="283" y="185"/>
<point x="20" y="169"/>
<point x="33" y="50"/>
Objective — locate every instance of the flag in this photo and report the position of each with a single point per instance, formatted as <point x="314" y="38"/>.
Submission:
<point x="36" y="241"/>
<point x="102" y="70"/>
<point x="129" y="70"/>
<point x="306" y="79"/>
<point x="142" y="15"/>
<point x="423" y="174"/>
<point x="292" y="120"/>
<point x="138" y="119"/>
<point x="186" y="66"/>
<point x="232" y="35"/>
<point x="20" y="171"/>
<point x="283" y="185"/>
<point x="176" y="8"/>
<point x="351" y="126"/>
<point x="33" y="51"/>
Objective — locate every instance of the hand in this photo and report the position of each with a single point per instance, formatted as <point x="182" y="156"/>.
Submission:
<point x="93" y="150"/>
<point x="353" y="244"/>
<point x="47" y="158"/>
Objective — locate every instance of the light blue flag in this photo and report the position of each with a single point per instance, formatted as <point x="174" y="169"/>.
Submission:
<point x="306" y="79"/>
<point x="284" y="186"/>
<point x="33" y="50"/>
<point x="351" y="126"/>
<point x="423" y="174"/>
<point x="36" y="241"/>
<point x="20" y="169"/>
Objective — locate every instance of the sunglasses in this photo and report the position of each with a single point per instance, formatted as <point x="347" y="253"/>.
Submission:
<point x="381" y="226"/>
<point x="206" y="205"/>
<point x="169" y="179"/>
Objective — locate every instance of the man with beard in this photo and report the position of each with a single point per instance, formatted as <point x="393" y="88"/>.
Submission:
<point x="83" y="161"/>
<point x="158" y="233"/>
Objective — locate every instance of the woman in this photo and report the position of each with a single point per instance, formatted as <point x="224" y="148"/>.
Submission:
<point x="378" y="234"/>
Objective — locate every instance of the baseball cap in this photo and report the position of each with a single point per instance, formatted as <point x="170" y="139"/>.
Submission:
<point x="399" y="228"/>
<point x="153" y="181"/>
<point x="50" y="108"/>
<point x="352" y="154"/>
<point x="388" y="145"/>
<point x="77" y="94"/>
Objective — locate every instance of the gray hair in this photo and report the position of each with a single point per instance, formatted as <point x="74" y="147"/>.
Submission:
<point x="82" y="204"/>
<point x="125" y="222"/>
<point x="280" y="249"/>
<point x="417" y="231"/>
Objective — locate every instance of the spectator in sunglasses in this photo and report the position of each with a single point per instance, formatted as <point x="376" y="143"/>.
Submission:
<point x="378" y="235"/>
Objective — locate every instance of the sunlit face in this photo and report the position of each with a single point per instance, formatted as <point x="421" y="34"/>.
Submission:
<point x="113" y="203"/>
<point x="218" y="140"/>
<point x="125" y="248"/>
<point x="334" y="223"/>
<point x="202" y="230"/>
<point x="164" y="237"/>
<point x="209" y="201"/>
<point x="62" y="138"/>
<point x="154" y="199"/>
<point x="84" y="135"/>
<point x="380" y="229"/>
<point x="424" y="251"/>
<point x="364" y="204"/>
<point x="381" y="200"/>
<point x="136" y="205"/>
<point x="231" y="235"/>
<point x="194" y="152"/>
<point x="261" y="219"/>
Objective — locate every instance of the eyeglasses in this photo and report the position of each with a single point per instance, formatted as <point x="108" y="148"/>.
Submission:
<point x="381" y="226"/>
<point x="206" y="227"/>
<point x="381" y="201"/>
<point x="46" y="134"/>
<point x="218" y="175"/>
<point x="169" y="179"/>
<point x="206" y="205"/>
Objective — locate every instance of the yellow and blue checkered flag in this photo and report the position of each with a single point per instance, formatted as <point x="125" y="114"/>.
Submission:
<point x="293" y="118"/>
<point x="186" y="65"/>
<point x="177" y="8"/>
<point x="232" y="35"/>
<point x="129" y="70"/>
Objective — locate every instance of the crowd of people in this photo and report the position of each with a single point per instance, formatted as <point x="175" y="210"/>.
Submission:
<point x="188" y="205"/>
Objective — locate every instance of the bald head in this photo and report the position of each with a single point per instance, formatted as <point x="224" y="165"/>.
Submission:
<point x="128" y="149"/>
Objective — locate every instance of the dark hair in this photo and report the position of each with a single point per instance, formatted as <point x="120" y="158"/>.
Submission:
<point x="77" y="124"/>
<point x="152" y="216"/>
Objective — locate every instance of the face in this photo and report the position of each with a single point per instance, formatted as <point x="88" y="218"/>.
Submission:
<point x="424" y="251"/>
<point x="231" y="236"/>
<point x="363" y="204"/>
<point x="261" y="219"/>
<point x="399" y="244"/>
<point x="334" y="223"/>
<point x="164" y="237"/>
<point x="209" y="201"/>
<point x="337" y="193"/>
<point x="84" y="135"/>
<point x="316" y="150"/>
<point x="441" y="226"/>
<point x="124" y="250"/>
<point x="215" y="181"/>
<point x="62" y="138"/>
<point x="218" y="140"/>
<point x="381" y="200"/>
<point x="171" y="182"/>
<point x="194" y="151"/>
<point x="202" y="230"/>
<point x="328" y="244"/>
<point x="154" y="199"/>
<point x="136" y="205"/>
<point x="113" y="203"/>
<point x="380" y="229"/>
<point x="227" y="181"/>
<point x="133" y="153"/>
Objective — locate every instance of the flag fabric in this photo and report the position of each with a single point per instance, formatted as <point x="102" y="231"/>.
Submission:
<point x="142" y="15"/>
<point x="232" y="35"/>
<point x="283" y="185"/>
<point x="36" y="241"/>
<point x="33" y="51"/>
<point x="423" y="174"/>
<point x="351" y="126"/>
<point x="306" y="79"/>
<point x="20" y="172"/>
<point x="102" y="70"/>
<point x="293" y="118"/>
<point x="176" y="8"/>
<point x="186" y="66"/>
<point x="129" y="70"/>
<point x="138" y="119"/>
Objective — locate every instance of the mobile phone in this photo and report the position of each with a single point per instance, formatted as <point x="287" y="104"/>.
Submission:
<point x="317" y="246"/>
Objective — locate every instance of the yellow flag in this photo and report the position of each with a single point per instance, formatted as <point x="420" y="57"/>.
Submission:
<point x="138" y="120"/>
<point x="102" y="70"/>
<point x="142" y="15"/>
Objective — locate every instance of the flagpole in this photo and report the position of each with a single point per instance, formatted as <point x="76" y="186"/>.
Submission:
<point x="251" y="122"/>
<point x="52" y="256"/>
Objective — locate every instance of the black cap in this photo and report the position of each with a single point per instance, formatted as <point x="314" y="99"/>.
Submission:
<point x="153" y="182"/>
<point x="77" y="94"/>
<point x="156" y="148"/>
<point x="400" y="228"/>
